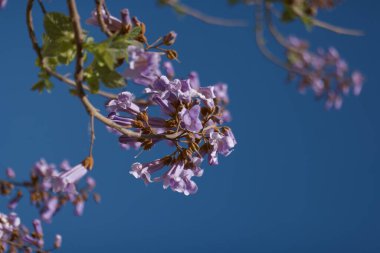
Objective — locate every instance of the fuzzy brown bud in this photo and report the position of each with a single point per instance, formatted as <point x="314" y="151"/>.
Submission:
<point x="171" y="54"/>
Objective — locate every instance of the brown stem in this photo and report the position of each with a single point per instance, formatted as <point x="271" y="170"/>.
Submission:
<point x="327" y="26"/>
<point x="78" y="33"/>
<point x="92" y="133"/>
<point x="37" y="49"/>
<point x="260" y="40"/>
<point x="99" y="14"/>
<point x="203" y="17"/>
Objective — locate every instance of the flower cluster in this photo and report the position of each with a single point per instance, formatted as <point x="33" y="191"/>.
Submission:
<point x="15" y="237"/>
<point x="190" y="119"/>
<point x="325" y="72"/>
<point x="50" y="189"/>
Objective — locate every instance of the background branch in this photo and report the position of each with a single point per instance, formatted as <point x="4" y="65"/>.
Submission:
<point x="184" y="9"/>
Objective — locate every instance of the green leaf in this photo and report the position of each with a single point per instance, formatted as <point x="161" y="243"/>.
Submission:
<point x="39" y="86"/>
<point x="93" y="79"/>
<point x="111" y="79"/>
<point x="43" y="84"/>
<point x="58" y="40"/>
<point x="57" y="25"/>
<point x="136" y="31"/>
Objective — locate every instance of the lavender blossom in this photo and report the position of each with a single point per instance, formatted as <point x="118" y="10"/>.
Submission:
<point x="57" y="241"/>
<point x="123" y="103"/>
<point x="144" y="67"/>
<point x="169" y="69"/>
<point x="222" y="143"/>
<point x="113" y="24"/>
<point x="50" y="209"/>
<point x="3" y="3"/>
<point x="10" y="173"/>
<point x="190" y="119"/>
<point x="145" y="170"/>
<point x="65" y="181"/>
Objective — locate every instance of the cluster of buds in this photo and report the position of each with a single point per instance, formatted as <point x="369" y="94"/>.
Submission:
<point x="50" y="189"/>
<point x="189" y="118"/>
<point x="15" y="237"/>
<point x="126" y="24"/>
<point x="325" y="72"/>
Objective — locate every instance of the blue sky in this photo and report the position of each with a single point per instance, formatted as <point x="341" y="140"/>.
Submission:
<point x="301" y="179"/>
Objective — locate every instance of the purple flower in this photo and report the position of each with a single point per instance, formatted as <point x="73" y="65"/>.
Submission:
<point x="190" y="119"/>
<point x="145" y="170"/>
<point x="144" y="67"/>
<point x="125" y="17"/>
<point x="14" y="201"/>
<point x="172" y="177"/>
<point x="194" y="80"/>
<point x="37" y="227"/>
<point x="227" y="143"/>
<point x="57" y="241"/>
<point x="50" y="209"/>
<point x="131" y="145"/>
<point x="42" y="168"/>
<point x="207" y="94"/>
<point x="357" y="80"/>
<point x="221" y="92"/>
<point x="10" y="173"/>
<point x="334" y="101"/>
<point x="164" y="103"/>
<point x="65" y="181"/>
<point x="91" y="183"/>
<point x="113" y="24"/>
<point x="179" y="179"/>
<point x="220" y="143"/>
<point x="123" y="103"/>
<point x="65" y="165"/>
<point x="3" y="3"/>
<point x="169" y="69"/>
<point x="122" y="121"/>
<point x="8" y="225"/>
<point x="131" y="141"/>
<point x="79" y="208"/>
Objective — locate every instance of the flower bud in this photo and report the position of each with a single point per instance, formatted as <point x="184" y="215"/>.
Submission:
<point x="170" y="38"/>
<point x="171" y="54"/>
<point x="58" y="241"/>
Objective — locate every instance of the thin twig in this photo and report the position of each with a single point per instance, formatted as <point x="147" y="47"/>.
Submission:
<point x="182" y="8"/>
<point x="37" y="49"/>
<point x="92" y="133"/>
<point x="260" y="41"/>
<point x="42" y="6"/>
<point x="80" y="57"/>
<point x="327" y="26"/>
<point x="99" y="15"/>
<point x="273" y="30"/>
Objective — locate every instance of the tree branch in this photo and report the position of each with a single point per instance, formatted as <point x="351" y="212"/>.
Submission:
<point x="99" y="15"/>
<point x="327" y="26"/>
<point x="182" y="8"/>
<point x="37" y="49"/>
